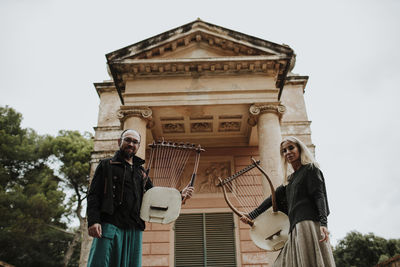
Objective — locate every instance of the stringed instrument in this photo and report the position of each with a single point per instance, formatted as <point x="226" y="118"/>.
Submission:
<point x="167" y="162"/>
<point x="270" y="229"/>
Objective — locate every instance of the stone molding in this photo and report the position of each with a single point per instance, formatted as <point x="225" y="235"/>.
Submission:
<point x="296" y="80"/>
<point x="195" y="32"/>
<point x="141" y="112"/>
<point x="105" y="87"/>
<point x="130" y="68"/>
<point x="256" y="110"/>
<point x="106" y="128"/>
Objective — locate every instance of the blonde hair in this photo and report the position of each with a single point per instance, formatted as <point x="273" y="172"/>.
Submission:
<point x="306" y="157"/>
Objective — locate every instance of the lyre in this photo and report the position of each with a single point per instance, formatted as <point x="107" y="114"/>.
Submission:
<point x="166" y="165"/>
<point x="270" y="229"/>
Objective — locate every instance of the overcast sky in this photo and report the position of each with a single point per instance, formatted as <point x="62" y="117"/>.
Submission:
<point x="51" y="52"/>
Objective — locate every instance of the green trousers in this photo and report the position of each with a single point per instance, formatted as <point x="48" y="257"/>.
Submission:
<point x="116" y="248"/>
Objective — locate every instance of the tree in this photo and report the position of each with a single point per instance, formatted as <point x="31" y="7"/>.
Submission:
<point x="356" y="249"/>
<point x="73" y="150"/>
<point x="31" y="203"/>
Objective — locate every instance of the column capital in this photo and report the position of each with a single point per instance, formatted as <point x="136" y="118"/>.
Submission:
<point x="145" y="113"/>
<point x="256" y="110"/>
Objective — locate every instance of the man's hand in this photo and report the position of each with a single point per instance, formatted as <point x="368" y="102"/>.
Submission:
<point x="324" y="234"/>
<point x="95" y="230"/>
<point x="187" y="192"/>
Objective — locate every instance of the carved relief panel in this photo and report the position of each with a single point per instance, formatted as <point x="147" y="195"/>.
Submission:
<point x="173" y="128"/>
<point x="209" y="170"/>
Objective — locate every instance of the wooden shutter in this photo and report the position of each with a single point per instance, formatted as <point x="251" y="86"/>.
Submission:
<point x="189" y="240"/>
<point x="205" y="239"/>
<point x="220" y="239"/>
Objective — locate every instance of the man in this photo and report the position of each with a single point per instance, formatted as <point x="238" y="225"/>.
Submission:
<point x="114" y="201"/>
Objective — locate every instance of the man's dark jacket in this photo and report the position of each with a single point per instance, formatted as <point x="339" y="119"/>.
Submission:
<point x="106" y="190"/>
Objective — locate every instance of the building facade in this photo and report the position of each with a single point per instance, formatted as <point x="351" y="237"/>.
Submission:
<point x="232" y="93"/>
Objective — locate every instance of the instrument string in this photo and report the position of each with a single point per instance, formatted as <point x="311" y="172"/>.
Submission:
<point x="168" y="160"/>
<point x="167" y="165"/>
<point x="173" y="165"/>
<point x="245" y="189"/>
<point x="251" y="188"/>
<point x="232" y="188"/>
<point x="256" y="189"/>
<point x="157" y="163"/>
<point x="183" y="164"/>
<point x="179" y="163"/>
<point x="168" y="151"/>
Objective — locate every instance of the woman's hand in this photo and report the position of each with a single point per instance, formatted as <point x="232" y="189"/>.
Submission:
<point x="245" y="218"/>
<point x="324" y="233"/>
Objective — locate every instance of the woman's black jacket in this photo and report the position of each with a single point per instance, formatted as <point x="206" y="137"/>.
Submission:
<point x="303" y="198"/>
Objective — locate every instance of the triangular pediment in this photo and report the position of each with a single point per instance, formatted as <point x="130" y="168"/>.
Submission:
<point x="198" y="40"/>
<point x="200" y="47"/>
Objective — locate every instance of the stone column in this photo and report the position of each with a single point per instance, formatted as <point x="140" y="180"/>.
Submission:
<point x="267" y="117"/>
<point x="139" y="119"/>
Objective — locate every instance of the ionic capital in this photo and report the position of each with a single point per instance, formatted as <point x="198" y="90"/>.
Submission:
<point x="145" y="113"/>
<point x="256" y="110"/>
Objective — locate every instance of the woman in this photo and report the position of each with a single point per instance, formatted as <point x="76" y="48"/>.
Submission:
<point x="303" y="198"/>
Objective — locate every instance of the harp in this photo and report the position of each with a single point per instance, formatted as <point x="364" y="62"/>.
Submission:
<point x="269" y="230"/>
<point x="167" y="163"/>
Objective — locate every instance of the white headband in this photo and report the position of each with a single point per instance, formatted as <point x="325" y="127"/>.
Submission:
<point x="133" y="131"/>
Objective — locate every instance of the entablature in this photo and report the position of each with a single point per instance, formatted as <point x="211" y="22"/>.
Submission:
<point x="200" y="90"/>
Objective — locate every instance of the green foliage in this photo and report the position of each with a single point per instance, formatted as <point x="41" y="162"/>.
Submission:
<point x="73" y="150"/>
<point x="31" y="202"/>
<point x="20" y="149"/>
<point x="357" y="249"/>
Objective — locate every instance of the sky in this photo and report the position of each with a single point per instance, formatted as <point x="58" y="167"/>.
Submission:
<point x="52" y="51"/>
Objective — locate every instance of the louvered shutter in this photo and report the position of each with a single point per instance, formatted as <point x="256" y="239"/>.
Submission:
<point x="189" y="240"/>
<point x="205" y="239"/>
<point x="220" y="241"/>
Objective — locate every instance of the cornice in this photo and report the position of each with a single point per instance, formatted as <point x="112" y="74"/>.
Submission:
<point x="203" y="60"/>
<point x="106" y="86"/>
<point x="297" y="80"/>
<point x="196" y="36"/>
<point x="106" y="128"/>
<point x="303" y="123"/>
<point x="197" y="31"/>
<point x="182" y="67"/>
<point x="274" y="66"/>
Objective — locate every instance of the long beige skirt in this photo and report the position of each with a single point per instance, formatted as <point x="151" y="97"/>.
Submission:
<point x="303" y="248"/>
